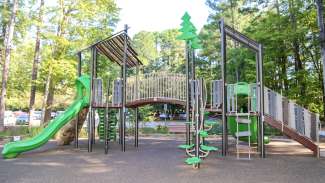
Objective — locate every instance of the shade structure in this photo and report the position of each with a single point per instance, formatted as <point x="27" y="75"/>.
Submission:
<point x="113" y="48"/>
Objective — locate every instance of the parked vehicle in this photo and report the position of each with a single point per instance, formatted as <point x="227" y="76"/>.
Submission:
<point x="182" y="116"/>
<point x="36" y="118"/>
<point x="59" y="113"/>
<point x="10" y="119"/>
<point x="22" y="119"/>
<point x="53" y="115"/>
<point x="163" y="116"/>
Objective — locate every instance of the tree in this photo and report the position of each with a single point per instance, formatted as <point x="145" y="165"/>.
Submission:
<point x="78" y="23"/>
<point x="36" y="61"/>
<point x="320" y="20"/>
<point x="5" y="70"/>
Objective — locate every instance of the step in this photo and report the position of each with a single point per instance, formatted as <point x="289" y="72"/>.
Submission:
<point x="244" y="147"/>
<point x="242" y="114"/>
<point x="208" y="148"/>
<point x="193" y="160"/>
<point x="185" y="146"/>
<point x="243" y="134"/>
<point x="243" y="120"/>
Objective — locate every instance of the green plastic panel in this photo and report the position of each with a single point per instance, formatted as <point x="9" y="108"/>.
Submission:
<point x="203" y="134"/>
<point x="242" y="88"/>
<point x="185" y="146"/>
<point x="193" y="160"/>
<point x="208" y="148"/>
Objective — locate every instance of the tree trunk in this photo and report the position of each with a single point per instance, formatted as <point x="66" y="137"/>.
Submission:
<point x="5" y="68"/>
<point x="66" y="135"/>
<point x="49" y="102"/>
<point x="48" y="98"/>
<point x="320" y="20"/>
<point x="36" y="62"/>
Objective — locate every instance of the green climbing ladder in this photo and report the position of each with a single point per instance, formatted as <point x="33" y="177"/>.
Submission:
<point x="111" y="131"/>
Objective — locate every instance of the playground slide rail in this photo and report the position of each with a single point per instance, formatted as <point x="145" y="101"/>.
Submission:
<point x="13" y="149"/>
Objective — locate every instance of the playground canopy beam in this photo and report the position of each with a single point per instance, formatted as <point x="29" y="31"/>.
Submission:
<point x="225" y="31"/>
<point x="113" y="48"/>
<point x="234" y="34"/>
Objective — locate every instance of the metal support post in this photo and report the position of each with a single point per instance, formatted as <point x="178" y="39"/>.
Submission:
<point x="136" y="138"/>
<point x="188" y="128"/>
<point x="224" y="90"/>
<point x="124" y="87"/>
<point x="76" y="140"/>
<point x="261" y="102"/>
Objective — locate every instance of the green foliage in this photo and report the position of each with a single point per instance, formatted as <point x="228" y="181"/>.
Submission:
<point x="159" y="130"/>
<point x="289" y="34"/>
<point x="145" y="42"/>
<point x="68" y="26"/>
<point x="160" y="51"/>
<point x="147" y="130"/>
<point x="23" y="131"/>
<point x="162" y="129"/>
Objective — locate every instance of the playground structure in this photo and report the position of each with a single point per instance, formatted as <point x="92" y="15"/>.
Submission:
<point x="244" y="123"/>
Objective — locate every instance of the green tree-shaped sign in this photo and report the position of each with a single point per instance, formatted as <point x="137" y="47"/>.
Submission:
<point x="188" y="32"/>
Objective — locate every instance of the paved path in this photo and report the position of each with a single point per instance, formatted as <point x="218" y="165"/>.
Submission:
<point x="157" y="161"/>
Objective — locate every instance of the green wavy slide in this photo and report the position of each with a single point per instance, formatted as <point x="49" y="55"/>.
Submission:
<point x="13" y="149"/>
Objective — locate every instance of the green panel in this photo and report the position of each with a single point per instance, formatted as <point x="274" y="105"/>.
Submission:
<point x="203" y="133"/>
<point x="13" y="149"/>
<point x="232" y="125"/>
<point x="242" y="88"/>
<point x="185" y="146"/>
<point x="208" y="148"/>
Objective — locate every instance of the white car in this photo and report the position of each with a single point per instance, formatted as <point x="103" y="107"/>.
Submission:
<point x="36" y="118"/>
<point x="10" y="119"/>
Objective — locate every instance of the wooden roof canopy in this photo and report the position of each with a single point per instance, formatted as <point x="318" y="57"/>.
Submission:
<point x="113" y="48"/>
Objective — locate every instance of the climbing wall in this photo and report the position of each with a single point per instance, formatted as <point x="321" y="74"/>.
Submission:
<point x="112" y="121"/>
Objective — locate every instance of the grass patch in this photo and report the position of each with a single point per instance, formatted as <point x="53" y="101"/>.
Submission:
<point x="15" y="131"/>
<point x="159" y="130"/>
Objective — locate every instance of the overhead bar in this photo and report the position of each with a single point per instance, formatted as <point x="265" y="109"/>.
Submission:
<point x="241" y="38"/>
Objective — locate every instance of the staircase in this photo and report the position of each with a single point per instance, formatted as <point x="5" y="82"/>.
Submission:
<point x="112" y="121"/>
<point x="292" y="133"/>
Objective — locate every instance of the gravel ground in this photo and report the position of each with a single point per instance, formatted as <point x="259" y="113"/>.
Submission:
<point x="158" y="160"/>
